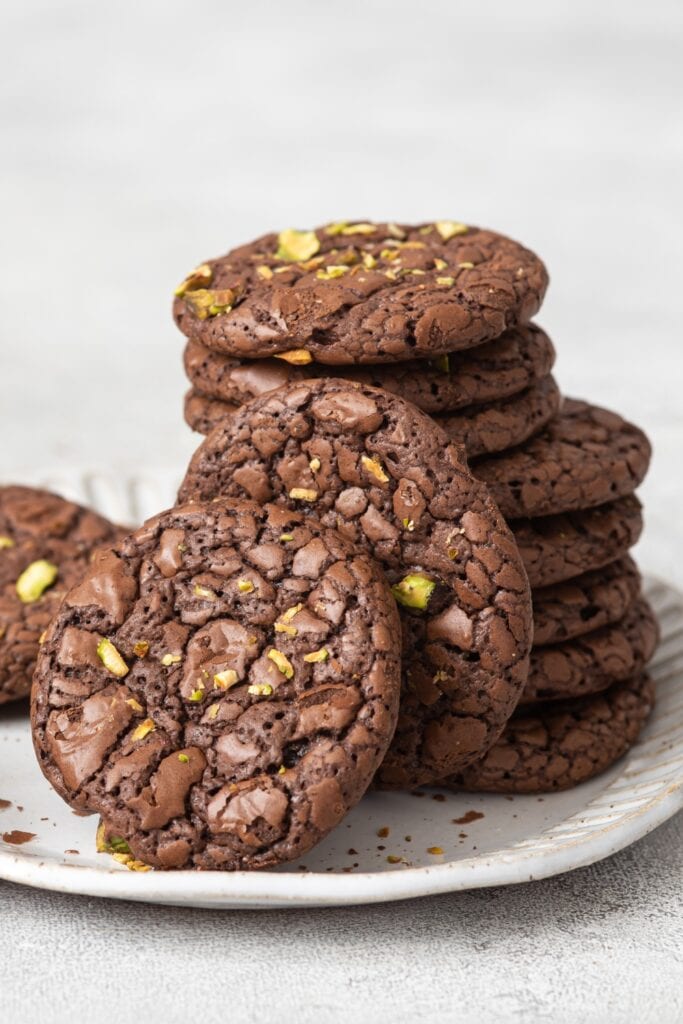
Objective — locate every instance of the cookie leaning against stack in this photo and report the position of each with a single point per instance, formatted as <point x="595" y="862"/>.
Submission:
<point x="408" y="309"/>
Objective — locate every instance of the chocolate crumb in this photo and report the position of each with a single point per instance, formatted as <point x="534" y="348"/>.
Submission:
<point x="439" y="797"/>
<point x="17" y="838"/>
<point x="468" y="818"/>
<point x="4" y="804"/>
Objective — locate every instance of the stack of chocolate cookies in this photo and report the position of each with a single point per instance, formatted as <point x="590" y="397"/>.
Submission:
<point x="398" y="558"/>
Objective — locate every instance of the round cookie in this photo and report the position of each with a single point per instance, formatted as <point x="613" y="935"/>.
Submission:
<point x="563" y="611"/>
<point x="485" y="428"/>
<point x="558" y="746"/>
<point x="202" y="413"/>
<point x="585" y="457"/>
<point x="500" y="368"/>
<point x="361" y="293"/>
<point x="593" y="662"/>
<point x="385" y="476"/>
<point x="498" y="425"/>
<point x="45" y="546"/>
<point x="557" y="548"/>
<point x="222" y="697"/>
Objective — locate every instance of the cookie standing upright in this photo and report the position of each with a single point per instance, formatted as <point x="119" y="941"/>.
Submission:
<point x="384" y="474"/>
<point x="45" y="544"/>
<point x="220" y="694"/>
<point x="361" y="293"/>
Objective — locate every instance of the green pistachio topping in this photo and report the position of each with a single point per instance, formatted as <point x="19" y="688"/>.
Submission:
<point x="111" y="659"/>
<point x="450" y="228"/>
<point x="6" y="542"/>
<point x="35" y="580"/>
<point x="295" y="246"/>
<point x="414" y="591"/>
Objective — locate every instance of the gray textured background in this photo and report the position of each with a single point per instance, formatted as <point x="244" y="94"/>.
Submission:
<point x="138" y="139"/>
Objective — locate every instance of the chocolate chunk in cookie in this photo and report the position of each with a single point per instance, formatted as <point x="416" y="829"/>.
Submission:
<point x="586" y="456"/>
<point x="384" y="474"/>
<point x="556" y="548"/>
<point x="557" y="746"/>
<point x="593" y="662"/>
<point x="563" y="611"/>
<point x="220" y="687"/>
<point x="361" y="293"/>
<point x="499" y="369"/>
<point x="45" y="546"/>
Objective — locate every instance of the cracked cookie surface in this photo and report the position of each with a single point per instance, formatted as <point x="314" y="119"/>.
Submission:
<point x="383" y="473"/>
<point x="56" y="537"/>
<point x="362" y="293"/>
<point x="499" y="369"/>
<point x="558" y="746"/>
<point x="585" y="457"/>
<point x="221" y="686"/>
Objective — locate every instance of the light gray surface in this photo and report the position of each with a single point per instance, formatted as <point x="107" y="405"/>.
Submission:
<point x="140" y="138"/>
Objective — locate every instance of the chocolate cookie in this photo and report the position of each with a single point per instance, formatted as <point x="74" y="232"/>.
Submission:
<point x="494" y="426"/>
<point x="563" y="611"/>
<point x="361" y="293"/>
<point x="556" y="548"/>
<point x="202" y="413"/>
<point x="485" y="428"/>
<point x="584" y="457"/>
<point x="220" y="693"/>
<point x="45" y="546"/>
<point x="386" y="477"/>
<point x="593" y="662"/>
<point x="559" y="745"/>
<point x="501" y="368"/>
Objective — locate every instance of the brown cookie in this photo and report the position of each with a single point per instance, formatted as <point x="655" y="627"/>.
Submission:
<point x="501" y="368"/>
<point x="593" y="662"/>
<point x="559" y="745"/>
<point x="586" y="456"/>
<point x="202" y="413"/>
<point x="385" y="475"/>
<point x="563" y="611"/>
<point x="361" y="293"/>
<point x="556" y="548"/>
<point x="498" y="425"/>
<point x="486" y="428"/>
<point x="45" y="546"/>
<point x="219" y="694"/>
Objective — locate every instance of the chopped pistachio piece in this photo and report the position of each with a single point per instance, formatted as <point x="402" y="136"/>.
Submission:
<point x="43" y="637"/>
<point x="111" y="659"/>
<point x="314" y="465"/>
<point x="336" y="228"/>
<point x="296" y="245"/>
<point x="442" y="363"/>
<point x="448" y="281"/>
<point x="197" y="696"/>
<point x="409" y="525"/>
<point x="143" y="729"/>
<point x="183" y="758"/>
<point x="329" y="273"/>
<point x="197" y="278"/>
<point x="224" y="680"/>
<point x="395" y="231"/>
<point x="450" y="228"/>
<point x="286" y="536"/>
<point x="440" y="264"/>
<point x="295" y="356"/>
<point x="116" y="844"/>
<point x="264" y="272"/>
<point x="303" y="494"/>
<point x="452" y="553"/>
<point x="141" y="649"/>
<point x="414" y="591"/>
<point x="171" y="659"/>
<point x="213" y="711"/>
<point x="315" y="656"/>
<point x="391" y="254"/>
<point x="207" y="303"/>
<point x="35" y="580"/>
<point x="359" y="229"/>
<point x="393" y="859"/>
<point x="374" y="466"/>
<point x="283" y="663"/>
<point x="369" y="261"/>
<point x="466" y="266"/>
<point x="6" y="542"/>
<point x="281" y="770"/>
<point x="260" y="690"/>
<point x="245" y="586"/>
<point x="205" y="592"/>
<point x="135" y="705"/>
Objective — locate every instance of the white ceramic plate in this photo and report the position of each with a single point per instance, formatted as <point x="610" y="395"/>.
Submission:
<point x="514" y="840"/>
